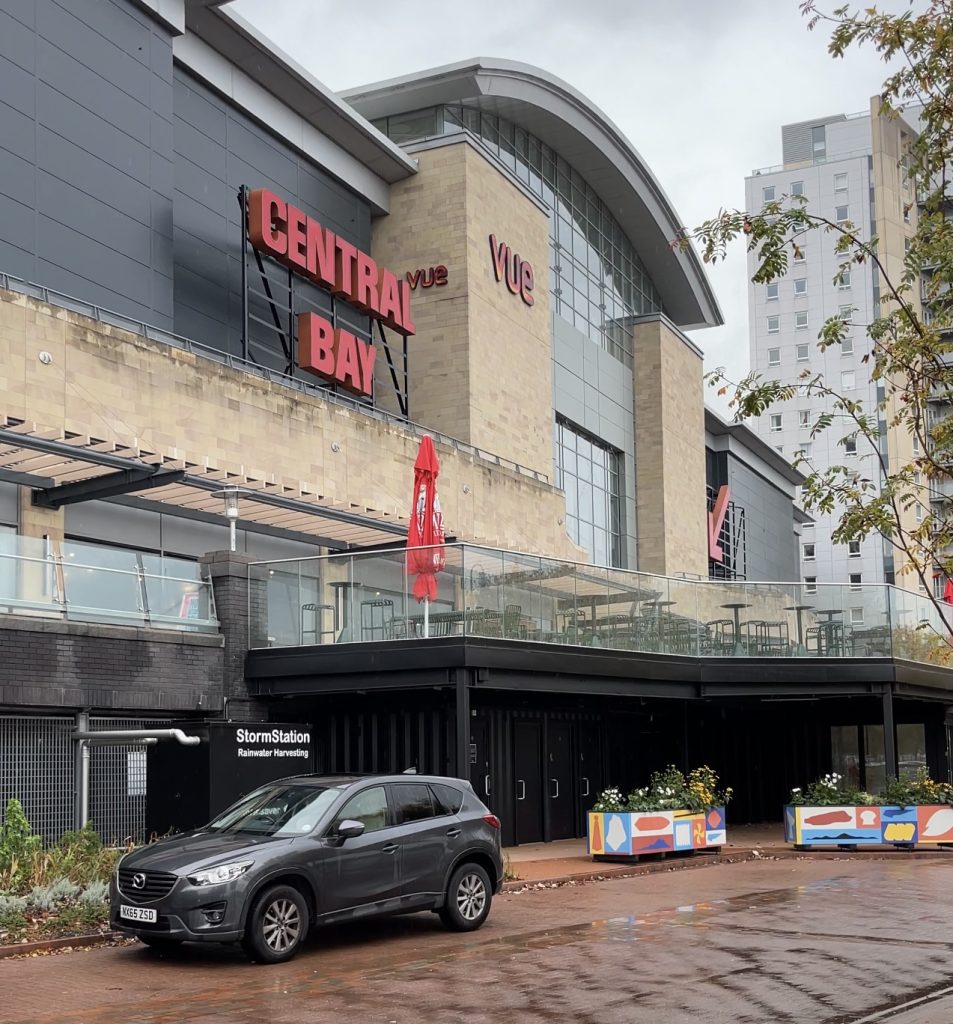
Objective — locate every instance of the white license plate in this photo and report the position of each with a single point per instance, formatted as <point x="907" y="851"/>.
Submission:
<point x="146" y="914"/>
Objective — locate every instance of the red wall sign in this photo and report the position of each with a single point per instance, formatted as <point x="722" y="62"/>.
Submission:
<point x="432" y="277"/>
<point x="300" y="243"/>
<point x="716" y="519"/>
<point x="517" y="271"/>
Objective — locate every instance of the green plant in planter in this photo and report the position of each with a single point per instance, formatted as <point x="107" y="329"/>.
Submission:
<point x="916" y="790"/>
<point x="610" y="800"/>
<point x="830" y="791"/>
<point x="669" y="790"/>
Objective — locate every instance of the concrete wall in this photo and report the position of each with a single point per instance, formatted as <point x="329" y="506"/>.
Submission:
<point x="122" y="387"/>
<point x="670" y="467"/>
<point x="894" y="195"/>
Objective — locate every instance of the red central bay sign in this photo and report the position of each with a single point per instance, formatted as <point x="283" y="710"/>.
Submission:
<point x="299" y="242"/>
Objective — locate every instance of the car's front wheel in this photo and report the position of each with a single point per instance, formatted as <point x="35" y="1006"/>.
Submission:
<point x="277" y="925"/>
<point x="468" y="899"/>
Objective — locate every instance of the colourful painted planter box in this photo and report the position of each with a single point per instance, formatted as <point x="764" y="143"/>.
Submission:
<point x="868" y="826"/>
<point x="635" y="833"/>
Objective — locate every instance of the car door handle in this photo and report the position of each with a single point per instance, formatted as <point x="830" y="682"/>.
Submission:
<point x="452" y="833"/>
<point x="390" y="848"/>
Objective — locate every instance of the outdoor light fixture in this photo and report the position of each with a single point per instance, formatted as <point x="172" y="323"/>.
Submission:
<point x="230" y="495"/>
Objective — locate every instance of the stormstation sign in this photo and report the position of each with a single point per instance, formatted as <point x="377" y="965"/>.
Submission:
<point x="274" y="743"/>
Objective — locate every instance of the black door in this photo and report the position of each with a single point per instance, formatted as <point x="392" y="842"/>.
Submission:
<point x="558" y="782"/>
<point x="588" y="771"/>
<point x="527" y="737"/>
<point x="480" y="776"/>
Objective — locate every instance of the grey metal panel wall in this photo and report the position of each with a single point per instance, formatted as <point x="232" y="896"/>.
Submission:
<point x="218" y="149"/>
<point x="85" y="152"/>
<point x="772" y="550"/>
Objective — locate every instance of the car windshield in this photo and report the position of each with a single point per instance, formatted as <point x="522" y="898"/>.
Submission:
<point x="280" y="810"/>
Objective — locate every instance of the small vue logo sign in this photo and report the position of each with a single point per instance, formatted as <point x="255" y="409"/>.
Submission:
<point x="432" y="277"/>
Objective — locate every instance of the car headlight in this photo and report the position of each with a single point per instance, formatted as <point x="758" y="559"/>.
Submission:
<point x="220" y="873"/>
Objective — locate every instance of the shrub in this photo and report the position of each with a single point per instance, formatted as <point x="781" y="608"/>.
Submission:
<point x="95" y="893"/>
<point x="74" y="862"/>
<point x="18" y="845"/>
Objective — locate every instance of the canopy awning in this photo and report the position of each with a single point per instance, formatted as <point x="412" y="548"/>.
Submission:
<point x="64" y="467"/>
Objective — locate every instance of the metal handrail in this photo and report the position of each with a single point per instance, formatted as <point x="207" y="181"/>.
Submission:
<point x="59" y="596"/>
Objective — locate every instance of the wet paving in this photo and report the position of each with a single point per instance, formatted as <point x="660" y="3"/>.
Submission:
<point x="813" y="942"/>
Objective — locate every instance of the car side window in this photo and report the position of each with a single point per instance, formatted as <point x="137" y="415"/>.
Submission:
<point x="369" y="807"/>
<point x="413" y="802"/>
<point x="446" y="799"/>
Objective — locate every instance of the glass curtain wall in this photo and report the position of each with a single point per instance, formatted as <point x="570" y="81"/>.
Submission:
<point x="589" y="472"/>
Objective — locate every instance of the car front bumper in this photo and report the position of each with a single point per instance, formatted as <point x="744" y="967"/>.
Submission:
<point x="187" y="913"/>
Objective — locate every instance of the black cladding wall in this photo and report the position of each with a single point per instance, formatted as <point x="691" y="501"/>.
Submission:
<point x="771" y="545"/>
<point x="86" y="176"/>
<point x="218" y="149"/>
<point x="119" y="171"/>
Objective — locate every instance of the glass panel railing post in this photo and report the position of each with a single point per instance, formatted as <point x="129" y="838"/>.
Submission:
<point x="298" y="604"/>
<point x="142" y="597"/>
<point x="463" y="591"/>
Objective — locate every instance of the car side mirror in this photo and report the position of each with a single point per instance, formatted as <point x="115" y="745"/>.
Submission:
<point x="350" y="829"/>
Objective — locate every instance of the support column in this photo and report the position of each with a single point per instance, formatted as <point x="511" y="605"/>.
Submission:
<point x="81" y="773"/>
<point x="891" y="767"/>
<point x="462" y="715"/>
<point x="240" y="603"/>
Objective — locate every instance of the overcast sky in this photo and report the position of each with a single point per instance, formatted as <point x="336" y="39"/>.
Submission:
<point x="700" y="88"/>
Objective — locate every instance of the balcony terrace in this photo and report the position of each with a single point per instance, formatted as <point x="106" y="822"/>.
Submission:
<point x="364" y="598"/>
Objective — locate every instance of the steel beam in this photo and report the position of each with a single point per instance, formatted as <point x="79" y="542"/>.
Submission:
<point x="125" y="481"/>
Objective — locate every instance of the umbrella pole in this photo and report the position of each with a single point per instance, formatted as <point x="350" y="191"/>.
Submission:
<point x="426" y="616"/>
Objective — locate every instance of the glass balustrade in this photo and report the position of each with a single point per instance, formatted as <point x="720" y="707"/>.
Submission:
<point x="506" y="595"/>
<point x="84" y="582"/>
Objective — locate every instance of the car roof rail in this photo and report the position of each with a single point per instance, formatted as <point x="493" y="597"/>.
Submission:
<point x="409" y="771"/>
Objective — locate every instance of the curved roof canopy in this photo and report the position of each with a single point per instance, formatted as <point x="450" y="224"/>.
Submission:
<point x="572" y="126"/>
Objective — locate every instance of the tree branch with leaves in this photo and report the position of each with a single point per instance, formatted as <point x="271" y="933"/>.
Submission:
<point x="909" y="342"/>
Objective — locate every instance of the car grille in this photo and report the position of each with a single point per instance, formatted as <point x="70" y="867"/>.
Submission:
<point x="157" y="884"/>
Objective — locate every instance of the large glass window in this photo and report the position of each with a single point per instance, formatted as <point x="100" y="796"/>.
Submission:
<point x="589" y="471"/>
<point x="597" y="281"/>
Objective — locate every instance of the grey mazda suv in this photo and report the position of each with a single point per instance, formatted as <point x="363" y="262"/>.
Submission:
<point x="314" y="850"/>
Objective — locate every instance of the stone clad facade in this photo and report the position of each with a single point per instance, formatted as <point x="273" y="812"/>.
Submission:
<point x="480" y="361"/>
<point x="139" y="393"/>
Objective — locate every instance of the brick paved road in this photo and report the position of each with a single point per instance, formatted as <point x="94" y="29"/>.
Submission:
<point x="788" y="941"/>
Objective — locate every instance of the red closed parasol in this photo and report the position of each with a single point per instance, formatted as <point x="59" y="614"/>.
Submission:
<point x="425" y="553"/>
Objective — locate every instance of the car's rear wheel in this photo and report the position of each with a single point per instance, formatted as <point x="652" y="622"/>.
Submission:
<point x="469" y="895"/>
<point x="277" y="925"/>
<point x="160" y="942"/>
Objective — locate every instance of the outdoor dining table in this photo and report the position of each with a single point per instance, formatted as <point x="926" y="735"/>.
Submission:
<point x="831" y="631"/>
<point x="736" y="606"/>
<point x="799" y="608"/>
